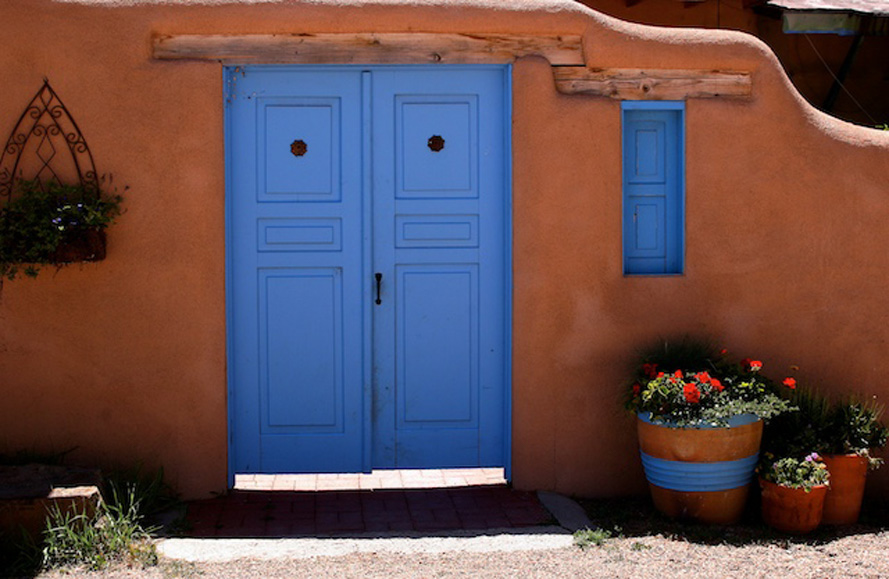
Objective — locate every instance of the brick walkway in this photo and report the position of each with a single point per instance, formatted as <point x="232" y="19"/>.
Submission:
<point x="383" y="501"/>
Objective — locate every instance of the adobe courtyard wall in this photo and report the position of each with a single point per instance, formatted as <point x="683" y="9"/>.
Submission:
<point x="126" y="359"/>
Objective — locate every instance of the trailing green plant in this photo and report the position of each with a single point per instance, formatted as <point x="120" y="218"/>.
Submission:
<point x="795" y="473"/>
<point x="39" y="217"/>
<point x="693" y="385"/>
<point x="113" y="534"/>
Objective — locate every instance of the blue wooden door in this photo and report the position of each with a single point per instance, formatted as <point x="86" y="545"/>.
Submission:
<point x="367" y="268"/>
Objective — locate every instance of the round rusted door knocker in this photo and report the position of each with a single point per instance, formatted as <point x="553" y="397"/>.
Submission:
<point x="298" y="148"/>
<point x="435" y="143"/>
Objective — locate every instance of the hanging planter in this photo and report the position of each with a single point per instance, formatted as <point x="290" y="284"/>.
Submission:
<point x="54" y="208"/>
<point x="53" y="224"/>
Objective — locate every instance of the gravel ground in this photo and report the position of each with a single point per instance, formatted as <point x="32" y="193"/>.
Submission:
<point x="657" y="556"/>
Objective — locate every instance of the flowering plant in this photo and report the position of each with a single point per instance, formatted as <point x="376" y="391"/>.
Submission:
<point x="795" y="473"/>
<point x="690" y="398"/>
<point x="39" y="217"/>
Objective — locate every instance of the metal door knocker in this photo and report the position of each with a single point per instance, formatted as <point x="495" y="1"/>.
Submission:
<point x="298" y="148"/>
<point x="435" y="143"/>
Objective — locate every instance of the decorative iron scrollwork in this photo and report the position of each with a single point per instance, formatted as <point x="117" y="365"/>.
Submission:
<point x="299" y="148"/>
<point x="32" y="151"/>
<point x="436" y="143"/>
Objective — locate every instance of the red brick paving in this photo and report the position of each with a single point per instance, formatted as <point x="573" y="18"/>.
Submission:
<point x="269" y="513"/>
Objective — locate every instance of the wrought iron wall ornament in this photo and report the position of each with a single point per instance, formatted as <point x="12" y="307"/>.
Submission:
<point x="435" y="143"/>
<point x="34" y="148"/>
<point x="298" y="148"/>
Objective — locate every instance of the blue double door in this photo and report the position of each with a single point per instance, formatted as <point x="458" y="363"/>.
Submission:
<point x="368" y="300"/>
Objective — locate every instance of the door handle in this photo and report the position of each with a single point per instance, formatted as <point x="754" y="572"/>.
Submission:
<point x="379" y="278"/>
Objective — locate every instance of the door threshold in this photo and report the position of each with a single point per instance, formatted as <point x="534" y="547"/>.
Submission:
<point x="375" y="480"/>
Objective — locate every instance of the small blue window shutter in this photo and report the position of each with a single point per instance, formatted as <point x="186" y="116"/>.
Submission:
<point x="653" y="186"/>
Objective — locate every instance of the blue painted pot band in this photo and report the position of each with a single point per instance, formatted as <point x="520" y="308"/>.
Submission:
<point x="683" y="476"/>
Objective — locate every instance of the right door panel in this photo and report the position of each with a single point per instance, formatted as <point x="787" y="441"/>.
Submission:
<point x="439" y="235"/>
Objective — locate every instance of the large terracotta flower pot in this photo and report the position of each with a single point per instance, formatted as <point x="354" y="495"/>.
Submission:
<point x="703" y="473"/>
<point x="848" y="473"/>
<point x="792" y="510"/>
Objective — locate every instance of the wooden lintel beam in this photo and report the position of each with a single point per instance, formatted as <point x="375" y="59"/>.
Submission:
<point x="368" y="48"/>
<point x="652" y="84"/>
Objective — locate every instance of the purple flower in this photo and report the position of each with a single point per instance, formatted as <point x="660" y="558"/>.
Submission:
<point x="812" y="457"/>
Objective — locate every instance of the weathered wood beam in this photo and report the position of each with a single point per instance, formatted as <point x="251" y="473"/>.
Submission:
<point x="652" y="84"/>
<point x="368" y="48"/>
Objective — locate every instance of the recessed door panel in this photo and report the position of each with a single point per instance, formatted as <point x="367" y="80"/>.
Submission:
<point x="436" y="145"/>
<point x="437" y="346"/>
<point x="300" y="338"/>
<point x="300" y="149"/>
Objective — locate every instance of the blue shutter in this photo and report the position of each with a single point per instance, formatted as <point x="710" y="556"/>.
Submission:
<point x="653" y="187"/>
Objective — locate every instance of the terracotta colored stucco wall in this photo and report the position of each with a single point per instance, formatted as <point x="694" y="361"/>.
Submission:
<point x="125" y="359"/>
<point x="801" y="55"/>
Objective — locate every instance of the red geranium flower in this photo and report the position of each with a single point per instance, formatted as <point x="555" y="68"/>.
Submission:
<point x="755" y="365"/>
<point x="716" y="385"/>
<point x="650" y="370"/>
<point x="660" y="375"/>
<point x="702" y="377"/>
<point x="745" y="362"/>
<point x="678" y="373"/>
<point x="691" y="393"/>
<point x="790" y="383"/>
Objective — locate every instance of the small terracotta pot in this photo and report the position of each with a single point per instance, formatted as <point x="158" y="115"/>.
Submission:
<point x="792" y="510"/>
<point x="848" y="473"/>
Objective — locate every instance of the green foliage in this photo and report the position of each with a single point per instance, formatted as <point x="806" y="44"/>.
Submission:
<point x="689" y="383"/>
<point x="854" y="427"/>
<point x="113" y="534"/>
<point x="584" y="538"/>
<point x="41" y="216"/>
<point x="846" y="427"/>
<point x="152" y="491"/>
<point x="795" y="473"/>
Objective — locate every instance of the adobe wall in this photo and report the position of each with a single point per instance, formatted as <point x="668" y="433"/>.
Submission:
<point x="125" y="359"/>
<point x="800" y="54"/>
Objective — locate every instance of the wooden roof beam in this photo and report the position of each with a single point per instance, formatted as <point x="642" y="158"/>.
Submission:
<point x="652" y="84"/>
<point x="368" y="48"/>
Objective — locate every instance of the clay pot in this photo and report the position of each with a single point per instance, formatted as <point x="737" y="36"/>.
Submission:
<point x="702" y="474"/>
<point x="81" y="245"/>
<point x="848" y="473"/>
<point x="790" y="510"/>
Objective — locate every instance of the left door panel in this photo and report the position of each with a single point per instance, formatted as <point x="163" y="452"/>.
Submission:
<point x="295" y="227"/>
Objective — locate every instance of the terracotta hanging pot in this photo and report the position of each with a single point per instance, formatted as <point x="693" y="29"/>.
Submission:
<point x="81" y="245"/>
<point x="790" y="510"/>
<point x="848" y="473"/>
<point x="703" y="473"/>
